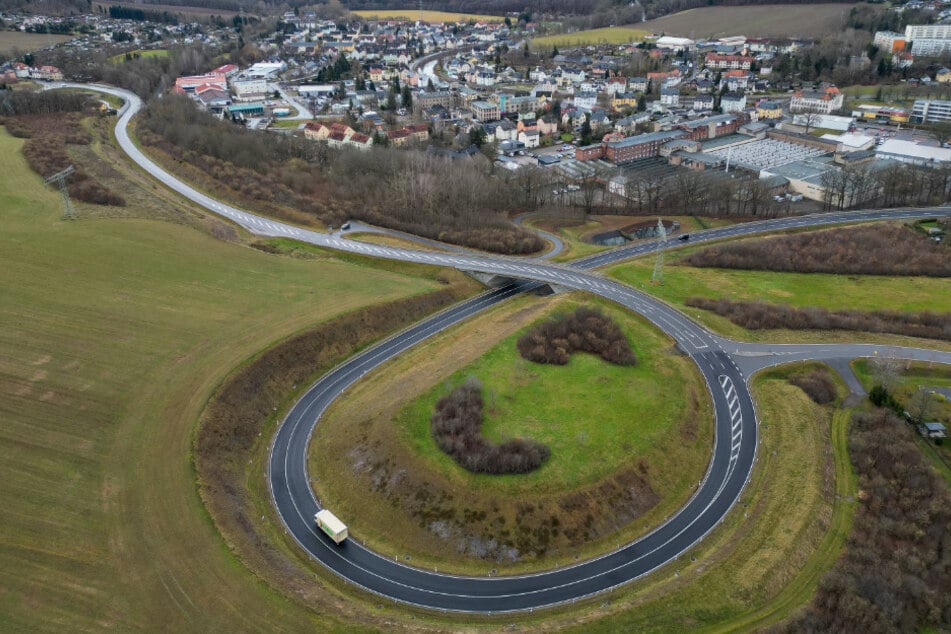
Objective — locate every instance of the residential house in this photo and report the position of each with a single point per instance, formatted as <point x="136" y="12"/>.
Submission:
<point x="670" y="97"/>
<point x="733" y="102"/>
<point x="548" y="125"/>
<point x="768" y="109"/>
<point x="530" y="137"/>
<point x="485" y="110"/>
<point x="824" y="101"/>
<point x="628" y="125"/>
<point x="702" y="103"/>
<point x="623" y="100"/>
<point x="316" y="131"/>
<point x="725" y="62"/>
<point x="637" y="84"/>
<point x="586" y="100"/>
<point x="504" y="130"/>
<point x="616" y="85"/>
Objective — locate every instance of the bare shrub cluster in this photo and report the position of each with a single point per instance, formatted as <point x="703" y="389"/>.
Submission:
<point x="583" y="330"/>
<point x="49" y="125"/>
<point x="865" y="250"/>
<point x="817" y="384"/>
<point x="757" y="315"/>
<point x="451" y="201"/>
<point x="456" y="426"/>
<point x="894" y="574"/>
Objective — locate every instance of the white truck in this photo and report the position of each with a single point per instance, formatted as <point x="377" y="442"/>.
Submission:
<point x="328" y="523"/>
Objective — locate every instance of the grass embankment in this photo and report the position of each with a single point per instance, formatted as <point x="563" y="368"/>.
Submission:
<point x="112" y="336"/>
<point x="842" y="292"/>
<point x="411" y="15"/>
<point x="612" y="431"/>
<point x="778" y="20"/>
<point x="606" y="35"/>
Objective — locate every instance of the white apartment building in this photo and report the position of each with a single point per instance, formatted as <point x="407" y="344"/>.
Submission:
<point x="929" y="39"/>
<point x="931" y="110"/>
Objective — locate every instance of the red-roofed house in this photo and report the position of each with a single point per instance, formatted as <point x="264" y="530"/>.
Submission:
<point x="316" y="131"/>
<point x="360" y="141"/>
<point x="398" y="137"/>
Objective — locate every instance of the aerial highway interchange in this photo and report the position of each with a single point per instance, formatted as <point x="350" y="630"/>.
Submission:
<point x="725" y="365"/>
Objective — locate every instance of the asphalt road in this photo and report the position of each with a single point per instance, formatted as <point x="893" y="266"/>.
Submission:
<point x="725" y="365"/>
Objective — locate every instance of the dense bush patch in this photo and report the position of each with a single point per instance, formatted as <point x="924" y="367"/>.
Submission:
<point x="817" y="384"/>
<point x="457" y="428"/>
<point x="894" y="574"/>
<point x="584" y="330"/>
<point x="761" y="315"/>
<point x="865" y="250"/>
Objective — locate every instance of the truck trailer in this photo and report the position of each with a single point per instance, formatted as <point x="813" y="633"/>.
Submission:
<point x="328" y="523"/>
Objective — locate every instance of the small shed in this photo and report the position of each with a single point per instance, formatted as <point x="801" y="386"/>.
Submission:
<point x="932" y="429"/>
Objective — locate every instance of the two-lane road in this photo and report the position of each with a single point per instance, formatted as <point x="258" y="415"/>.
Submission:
<point x="724" y="371"/>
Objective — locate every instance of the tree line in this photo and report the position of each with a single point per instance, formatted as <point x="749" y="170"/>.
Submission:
<point x="864" y="250"/>
<point x="758" y="315"/>
<point x="452" y="201"/>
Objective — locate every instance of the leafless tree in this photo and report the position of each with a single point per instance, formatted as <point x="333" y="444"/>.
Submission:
<point x="886" y="371"/>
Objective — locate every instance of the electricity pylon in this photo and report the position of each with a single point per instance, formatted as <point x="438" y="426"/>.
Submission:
<point x="60" y="179"/>
<point x="658" y="276"/>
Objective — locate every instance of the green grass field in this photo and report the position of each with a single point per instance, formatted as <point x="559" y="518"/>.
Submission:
<point x="607" y="35"/>
<point x="412" y="15"/>
<point x="159" y="52"/>
<point x="578" y="410"/>
<point x="834" y="292"/>
<point x="113" y="333"/>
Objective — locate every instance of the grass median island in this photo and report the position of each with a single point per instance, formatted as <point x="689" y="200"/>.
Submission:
<point x="822" y="290"/>
<point x="628" y="446"/>
<point x="113" y="334"/>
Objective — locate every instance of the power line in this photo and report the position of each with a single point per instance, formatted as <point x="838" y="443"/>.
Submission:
<point x="60" y="178"/>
